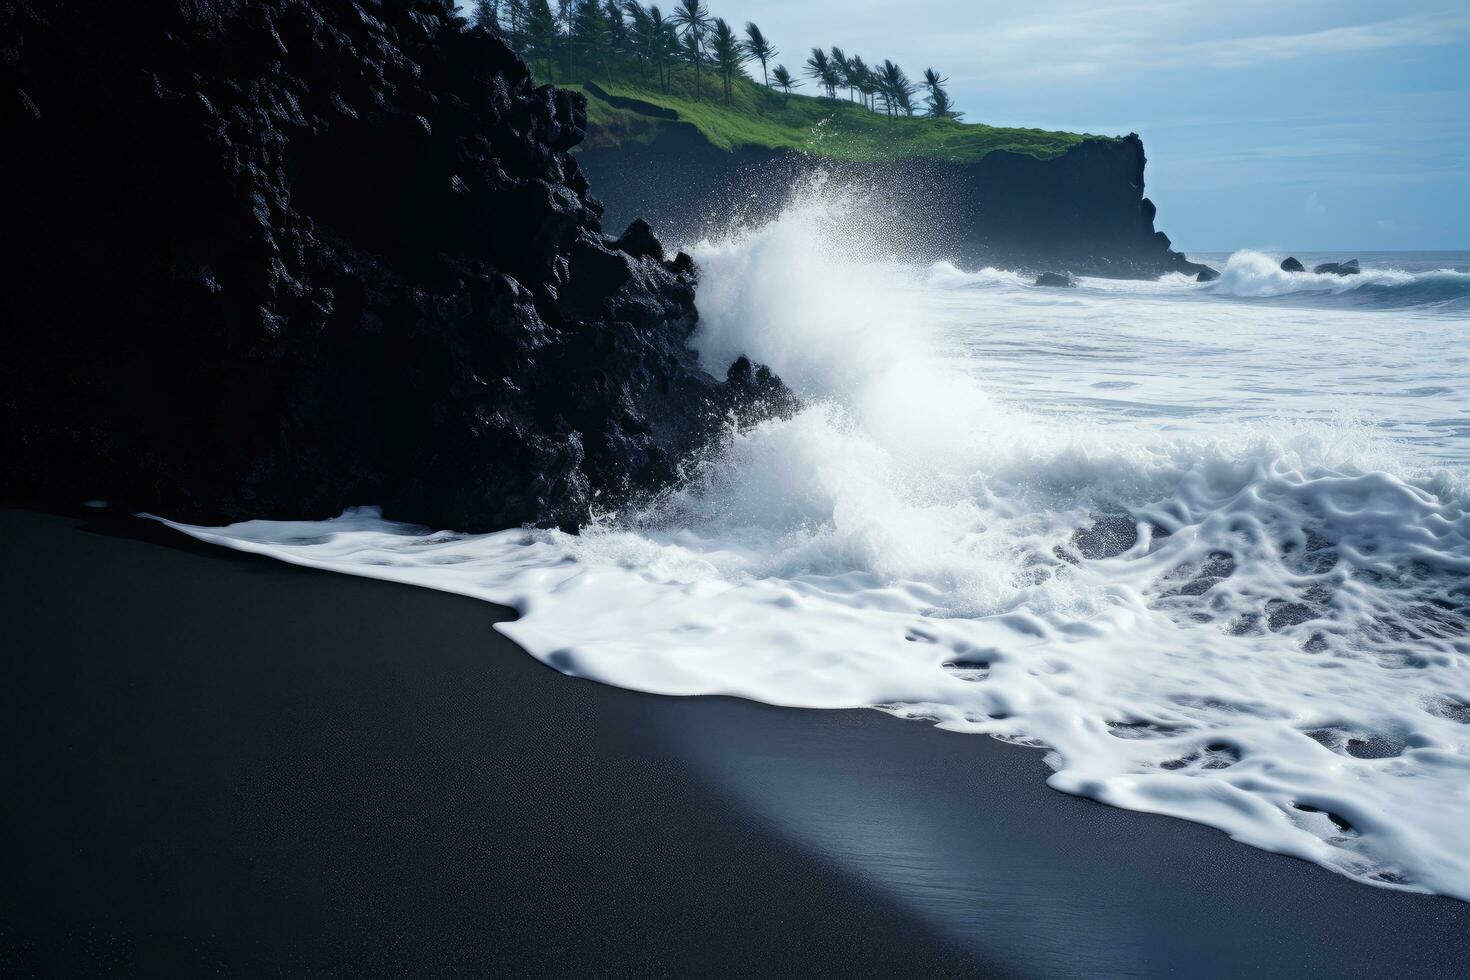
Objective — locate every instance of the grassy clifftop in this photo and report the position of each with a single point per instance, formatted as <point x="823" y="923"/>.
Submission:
<point x="627" y="111"/>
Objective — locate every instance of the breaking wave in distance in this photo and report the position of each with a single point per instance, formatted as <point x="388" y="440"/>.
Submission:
<point x="1168" y="537"/>
<point x="1255" y="275"/>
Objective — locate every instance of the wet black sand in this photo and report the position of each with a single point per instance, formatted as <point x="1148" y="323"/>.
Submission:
<point x="216" y="764"/>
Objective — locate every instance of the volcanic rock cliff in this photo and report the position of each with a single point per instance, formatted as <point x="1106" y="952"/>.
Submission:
<point x="1082" y="211"/>
<point x="274" y="258"/>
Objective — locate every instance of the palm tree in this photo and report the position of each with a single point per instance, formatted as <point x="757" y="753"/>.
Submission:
<point x="542" y="29"/>
<point x="616" y="26"/>
<point x="668" y="49"/>
<point x="650" y="37"/>
<point x="729" y="53"/>
<point x="760" y="48"/>
<point x="638" y="35"/>
<point x="517" y="16"/>
<point x="832" y="79"/>
<point x="819" y="67"/>
<point x="693" y="17"/>
<point x="566" y="19"/>
<point x="843" y="68"/>
<point x="904" y="99"/>
<point x="690" y="52"/>
<point x="941" y="106"/>
<point x="487" y="14"/>
<point x="591" y="29"/>
<point x="667" y="46"/>
<point x="785" y="82"/>
<point x="895" y="89"/>
<point x="861" y="78"/>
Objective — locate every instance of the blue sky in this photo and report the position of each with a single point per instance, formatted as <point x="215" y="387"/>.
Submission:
<point x="1315" y="125"/>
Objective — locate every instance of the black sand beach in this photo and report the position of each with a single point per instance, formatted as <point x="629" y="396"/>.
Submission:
<point x="222" y="765"/>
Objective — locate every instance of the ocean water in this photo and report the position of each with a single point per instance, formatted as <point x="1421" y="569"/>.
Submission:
<point x="1207" y="547"/>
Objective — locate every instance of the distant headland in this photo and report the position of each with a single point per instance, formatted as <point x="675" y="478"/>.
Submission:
<point x="694" y="125"/>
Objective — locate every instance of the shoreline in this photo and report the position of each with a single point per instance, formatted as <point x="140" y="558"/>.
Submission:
<point x="225" y="763"/>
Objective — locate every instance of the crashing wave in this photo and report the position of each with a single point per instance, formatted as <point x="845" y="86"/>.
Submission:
<point x="1266" y="630"/>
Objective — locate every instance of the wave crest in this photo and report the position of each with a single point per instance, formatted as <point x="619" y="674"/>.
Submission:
<point x="1254" y="275"/>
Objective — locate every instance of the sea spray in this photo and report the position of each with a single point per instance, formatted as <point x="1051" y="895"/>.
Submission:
<point x="1253" y="619"/>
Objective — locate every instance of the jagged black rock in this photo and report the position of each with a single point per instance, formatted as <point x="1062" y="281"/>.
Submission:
<point x="271" y="259"/>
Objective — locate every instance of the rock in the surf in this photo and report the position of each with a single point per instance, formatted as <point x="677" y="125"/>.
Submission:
<point x="1292" y="264"/>
<point x="1055" y="280"/>
<point x="1348" y="268"/>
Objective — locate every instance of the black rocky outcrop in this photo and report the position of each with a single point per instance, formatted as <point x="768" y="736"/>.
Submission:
<point x="1055" y="280"/>
<point x="1292" y="264"/>
<point x="271" y="259"/>
<point x="758" y="390"/>
<point x="1206" y="274"/>
<point x="1348" y="268"/>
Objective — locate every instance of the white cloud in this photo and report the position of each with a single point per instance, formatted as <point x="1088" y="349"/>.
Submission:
<point x="1088" y="46"/>
<point x="1249" y="52"/>
<point x="992" y="44"/>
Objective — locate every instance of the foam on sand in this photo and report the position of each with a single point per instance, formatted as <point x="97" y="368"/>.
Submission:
<point x="1258" y="624"/>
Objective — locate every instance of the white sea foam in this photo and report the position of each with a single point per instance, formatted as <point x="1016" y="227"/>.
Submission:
<point x="1256" y="620"/>
<point x="1255" y="275"/>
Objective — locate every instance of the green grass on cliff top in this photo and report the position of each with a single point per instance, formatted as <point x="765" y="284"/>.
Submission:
<point x="763" y="118"/>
